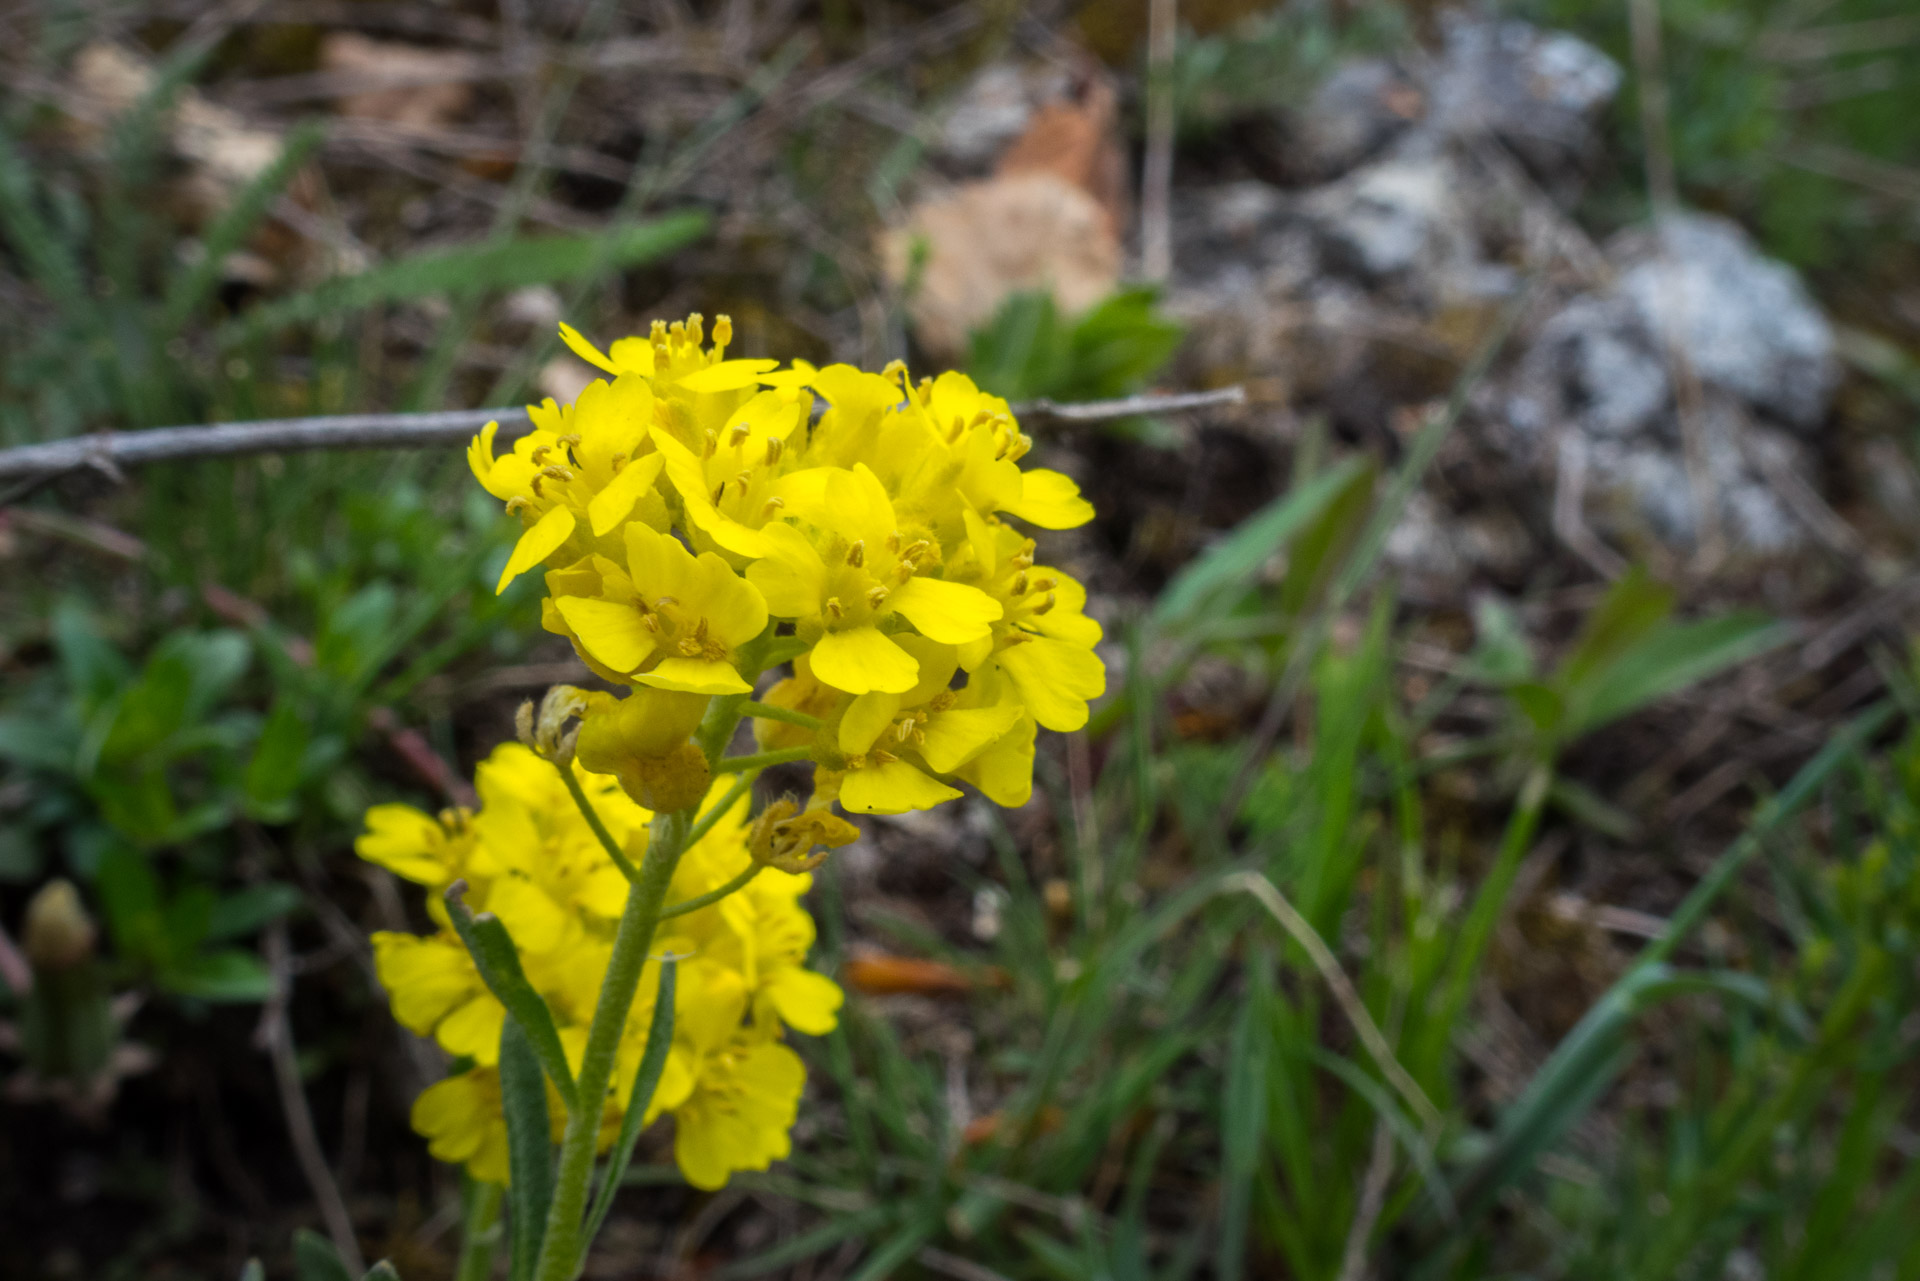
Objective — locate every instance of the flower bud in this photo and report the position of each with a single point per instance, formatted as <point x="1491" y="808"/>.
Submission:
<point x="785" y="839"/>
<point x="642" y="741"/>
<point x="59" y="934"/>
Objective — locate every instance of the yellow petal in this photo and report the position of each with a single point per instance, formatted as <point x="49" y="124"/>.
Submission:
<point x="696" y="676"/>
<point x="1004" y="772"/>
<point x="805" y="1001"/>
<point x="893" y="788"/>
<point x="611" y="505"/>
<point x="957" y="735"/>
<point x="538" y="543"/>
<point x="1055" y="680"/>
<point x="406" y="842"/>
<point x="952" y="613"/>
<point x="866" y="716"/>
<point x="791" y="577"/>
<point x="728" y="375"/>
<point x="861" y="660"/>
<point x="632" y="355"/>
<point x="610" y="632"/>
<point x="480" y="452"/>
<point x="473" y="1030"/>
<point x="1050" y="500"/>
<point x="584" y="349"/>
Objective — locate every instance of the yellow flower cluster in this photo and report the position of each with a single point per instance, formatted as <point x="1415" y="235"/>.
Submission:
<point x="699" y="525"/>
<point x="529" y="857"/>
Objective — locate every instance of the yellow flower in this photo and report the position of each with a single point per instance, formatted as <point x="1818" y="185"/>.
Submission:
<point x="746" y="1092"/>
<point x="732" y="1087"/>
<point x="673" y="621"/>
<point x="896" y="744"/>
<point x="857" y="575"/>
<point x="462" y="1121"/>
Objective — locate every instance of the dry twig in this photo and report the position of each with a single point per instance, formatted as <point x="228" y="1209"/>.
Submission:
<point x="110" y="451"/>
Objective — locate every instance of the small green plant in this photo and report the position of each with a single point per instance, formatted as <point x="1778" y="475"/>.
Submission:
<point x="1029" y="350"/>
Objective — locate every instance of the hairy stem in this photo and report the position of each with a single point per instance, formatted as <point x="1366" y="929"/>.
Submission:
<point x="699" y="901"/>
<point x="561" y="1252"/>
<point x="760" y="760"/>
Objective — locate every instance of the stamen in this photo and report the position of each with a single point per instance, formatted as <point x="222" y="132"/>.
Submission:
<point x="713" y="443"/>
<point x="1044" y="605"/>
<point x="738" y="436"/>
<point x="539" y="454"/>
<point x="773" y="506"/>
<point x="517" y="503"/>
<point x="857" y="554"/>
<point x="775" y="447"/>
<point x="556" y="471"/>
<point x="1020" y="583"/>
<point x="876" y="597"/>
<point x="834" y="607"/>
<point x="893" y="542"/>
<point x="1045" y="585"/>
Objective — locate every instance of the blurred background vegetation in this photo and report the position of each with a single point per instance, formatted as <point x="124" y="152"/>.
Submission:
<point x="1362" y="934"/>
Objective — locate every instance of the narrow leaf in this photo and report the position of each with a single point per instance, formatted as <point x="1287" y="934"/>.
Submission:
<point x="315" y="1259"/>
<point x="523" y="1098"/>
<point x="1238" y="556"/>
<point x="498" y="961"/>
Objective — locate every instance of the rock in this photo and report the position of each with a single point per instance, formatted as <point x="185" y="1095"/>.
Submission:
<point x="1540" y="92"/>
<point x="1743" y="322"/>
<point x="1595" y="365"/>
<point x="1354" y="114"/>
<point x="406" y="84"/>
<point x="1390" y="218"/>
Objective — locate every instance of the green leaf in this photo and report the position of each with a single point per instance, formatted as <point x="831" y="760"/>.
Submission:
<point x="498" y="961"/>
<point x="1243" y="1125"/>
<point x="1631" y="609"/>
<point x="646" y="1080"/>
<point x="523" y="1098"/>
<point x="238" y="915"/>
<point x="1501" y="653"/>
<point x="1235" y="559"/>
<point x="29" y="743"/>
<point x="471" y="269"/>
<point x="228" y="975"/>
<point x="130" y="894"/>
<point x="1021" y="352"/>
<point x="274" y="770"/>
<point x="315" y="1259"/>
<point x="1117" y="347"/>
<point x="94" y="669"/>
<point x="1672" y="658"/>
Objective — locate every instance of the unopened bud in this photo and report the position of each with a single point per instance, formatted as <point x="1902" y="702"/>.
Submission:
<point x="59" y="934"/>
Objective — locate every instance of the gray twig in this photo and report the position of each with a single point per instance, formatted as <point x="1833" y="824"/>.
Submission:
<point x="275" y="1036"/>
<point x="109" y="451"/>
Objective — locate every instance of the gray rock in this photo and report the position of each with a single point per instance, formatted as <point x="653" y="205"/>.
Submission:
<point x="1540" y="92"/>
<point x="1354" y="114"/>
<point x="1743" y="322"/>
<point x="1393" y="218"/>
<point x="1594" y="365"/>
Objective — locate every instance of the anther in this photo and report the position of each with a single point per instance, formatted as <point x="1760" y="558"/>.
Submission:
<point x="1045" y="585"/>
<point x="773" y="506"/>
<point x="539" y="454"/>
<point x="876" y="597"/>
<point x="1044" y="605"/>
<point x="556" y="471"/>
<point x="571" y="439"/>
<point x="893" y="542"/>
<point x="883" y="757"/>
<point x="738" y="436"/>
<point x="516" y="503"/>
<point x="775" y="447"/>
<point x="857" y="554"/>
<point x="834" y="607"/>
<point x="1020" y="583"/>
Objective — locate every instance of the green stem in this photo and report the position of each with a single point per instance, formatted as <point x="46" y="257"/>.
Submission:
<point x="561" y="1252"/>
<point x="760" y="760"/>
<point x="720" y="808"/>
<point x="479" y="1230"/>
<point x="699" y="901"/>
<point x="768" y="712"/>
<point x="1477" y="930"/>
<point x="619" y="857"/>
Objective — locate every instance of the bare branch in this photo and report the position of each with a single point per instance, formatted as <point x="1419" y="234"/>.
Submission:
<point x="110" y="451"/>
